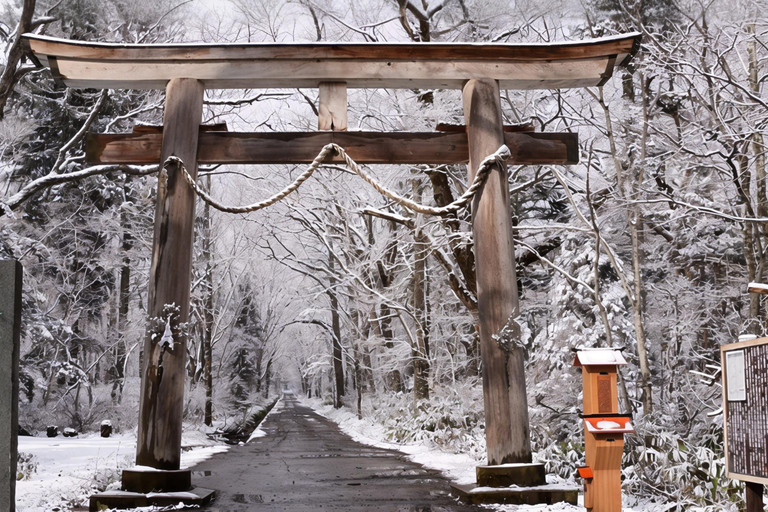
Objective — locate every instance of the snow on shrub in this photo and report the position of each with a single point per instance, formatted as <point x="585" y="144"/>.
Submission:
<point x="452" y="419"/>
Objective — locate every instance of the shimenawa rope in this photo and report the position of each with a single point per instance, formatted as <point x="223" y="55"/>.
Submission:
<point x="498" y="158"/>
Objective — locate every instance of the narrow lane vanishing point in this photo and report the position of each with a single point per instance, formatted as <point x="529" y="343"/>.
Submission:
<point x="306" y="463"/>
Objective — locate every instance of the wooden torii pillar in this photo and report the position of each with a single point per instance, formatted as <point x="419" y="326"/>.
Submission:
<point x="507" y="433"/>
<point x="164" y="368"/>
<point x="480" y="70"/>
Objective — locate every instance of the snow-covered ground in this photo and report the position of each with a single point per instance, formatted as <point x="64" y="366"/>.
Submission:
<point x="68" y="470"/>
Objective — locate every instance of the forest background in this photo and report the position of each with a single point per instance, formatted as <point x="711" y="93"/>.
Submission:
<point x="646" y="245"/>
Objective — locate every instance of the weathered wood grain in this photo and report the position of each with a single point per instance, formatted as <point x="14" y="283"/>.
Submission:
<point x="155" y="128"/>
<point x="388" y="65"/>
<point x="302" y="147"/>
<point x="162" y="390"/>
<point x="600" y="384"/>
<point x="264" y="74"/>
<point x="332" y="109"/>
<point x="460" y="128"/>
<point x="602" y="454"/>
<point x="623" y="44"/>
<point x="506" y="406"/>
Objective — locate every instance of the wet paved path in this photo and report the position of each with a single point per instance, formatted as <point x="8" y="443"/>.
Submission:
<point x="306" y="463"/>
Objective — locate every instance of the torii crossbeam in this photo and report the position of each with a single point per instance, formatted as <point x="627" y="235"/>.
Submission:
<point x="361" y="65"/>
<point x="480" y="70"/>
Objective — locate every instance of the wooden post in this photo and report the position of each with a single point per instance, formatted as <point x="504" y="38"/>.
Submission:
<point x="603" y="445"/>
<point x="10" y="329"/>
<point x="332" y="112"/>
<point x="506" y="405"/>
<point x="162" y="390"/>
<point x="754" y="497"/>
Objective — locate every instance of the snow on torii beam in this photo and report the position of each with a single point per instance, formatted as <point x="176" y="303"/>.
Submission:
<point x="361" y="65"/>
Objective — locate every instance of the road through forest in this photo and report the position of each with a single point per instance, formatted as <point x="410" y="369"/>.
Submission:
<point x="306" y="463"/>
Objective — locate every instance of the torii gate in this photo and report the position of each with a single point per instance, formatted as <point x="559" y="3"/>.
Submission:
<point x="480" y="70"/>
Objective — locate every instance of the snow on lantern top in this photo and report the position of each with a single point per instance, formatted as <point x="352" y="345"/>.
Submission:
<point x="598" y="357"/>
<point x="758" y="288"/>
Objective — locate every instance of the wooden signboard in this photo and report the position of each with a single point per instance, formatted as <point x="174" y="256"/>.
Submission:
<point x="745" y="409"/>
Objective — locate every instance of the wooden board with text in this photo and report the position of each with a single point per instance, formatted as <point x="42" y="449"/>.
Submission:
<point x="745" y="409"/>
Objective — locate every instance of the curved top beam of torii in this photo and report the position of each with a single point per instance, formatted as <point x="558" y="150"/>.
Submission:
<point x="375" y="65"/>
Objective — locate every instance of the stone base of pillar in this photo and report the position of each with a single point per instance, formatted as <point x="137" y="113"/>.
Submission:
<point x="153" y="487"/>
<point x="157" y="480"/>
<point x="129" y="500"/>
<point x="515" y="484"/>
<point x="504" y="475"/>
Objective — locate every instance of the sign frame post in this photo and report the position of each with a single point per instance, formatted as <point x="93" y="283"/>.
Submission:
<point x="10" y="334"/>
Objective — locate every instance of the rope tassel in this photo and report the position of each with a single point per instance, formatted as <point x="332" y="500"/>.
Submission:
<point x="498" y="159"/>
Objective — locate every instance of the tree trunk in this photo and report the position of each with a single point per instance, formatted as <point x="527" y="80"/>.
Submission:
<point x="635" y="223"/>
<point x="162" y="387"/>
<point x="419" y="355"/>
<point x="122" y="310"/>
<point x="473" y="351"/>
<point x="637" y="315"/>
<point x="358" y="380"/>
<point x="385" y="324"/>
<point x="385" y="313"/>
<point x="758" y="148"/>
<point x="338" y="362"/>
<point x="268" y="378"/>
<point x="506" y="404"/>
<point x="11" y="73"/>
<point x="369" y="370"/>
<point x="208" y="311"/>
<point x="259" y="365"/>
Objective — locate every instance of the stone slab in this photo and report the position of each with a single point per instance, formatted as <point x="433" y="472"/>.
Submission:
<point x="504" y="475"/>
<point x="158" y="480"/>
<point x="10" y="328"/>
<point x="545" y="494"/>
<point x="128" y="500"/>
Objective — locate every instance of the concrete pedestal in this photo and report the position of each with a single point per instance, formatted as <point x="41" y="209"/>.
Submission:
<point x="515" y="484"/>
<point x="10" y="328"/>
